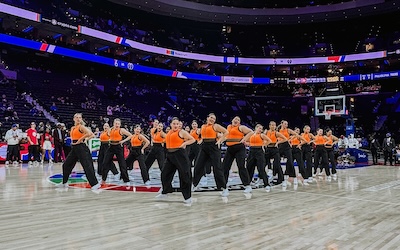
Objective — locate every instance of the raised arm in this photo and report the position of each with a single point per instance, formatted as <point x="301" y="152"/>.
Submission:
<point x="221" y="130"/>
<point x="146" y="142"/>
<point x="187" y="137"/>
<point x="127" y="134"/>
<point x="247" y="131"/>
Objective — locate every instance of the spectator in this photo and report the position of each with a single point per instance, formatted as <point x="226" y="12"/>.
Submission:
<point x="58" y="138"/>
<point x="33" y="148"/>
<point x="53" y="107"/>
<point x="374" y="147"/>
<point x="12" y="138"/>
<point x="388" y="146"/>
<point x="47" y="147"/>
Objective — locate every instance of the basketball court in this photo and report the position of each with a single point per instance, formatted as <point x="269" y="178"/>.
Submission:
<point x="359" y="210"/>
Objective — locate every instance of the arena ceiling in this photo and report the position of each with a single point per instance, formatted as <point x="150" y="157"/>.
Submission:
<point x="194" y="10"/>
<point x="268" y="3"/>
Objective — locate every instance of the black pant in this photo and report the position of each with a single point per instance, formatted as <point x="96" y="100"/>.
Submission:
<point x="321" y="154"/>
<point x="156" y="153"/>
<point x="273" y="153"/>
<point x="33" y="151"/>
<point x="286" y="150"/>
<point x="210" y="155"/>
<point x="118" y="151"/>
<point x="13" y="153"/>
<point x="100" y="159"/>
<point x="194" y="150"/>
<point x="388" y="155"/>
<point x="177" y="161"/>
<point x="307" y="156"/>
<point x="298" y="156"/>
<point x="66" y="149"/>
<point x="374" y="152"/>
<point x="136" y="155"/>
<point x="257" y="158"/>
<point x="237" y="152"/>
<point x="332" y="160"/>
<point x="79" y="152"/>
<point x="58" y="149"/>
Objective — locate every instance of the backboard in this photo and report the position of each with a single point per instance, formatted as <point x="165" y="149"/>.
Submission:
<point x="330" y="105"/>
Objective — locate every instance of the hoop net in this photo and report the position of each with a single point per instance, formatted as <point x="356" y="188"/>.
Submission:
<point x="328" y="115"/>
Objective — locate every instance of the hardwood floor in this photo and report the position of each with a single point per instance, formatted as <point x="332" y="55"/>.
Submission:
<point x="360" y="210"/>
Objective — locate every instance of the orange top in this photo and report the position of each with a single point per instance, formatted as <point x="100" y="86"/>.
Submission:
<point x="115" y="135"/>
<point x="157" y="138"/>
<point x="306" y="136"/>
<point x="295" y="141"/>
<point x="256" y="140"/>
<point x="153" y="132"/>
<point x="135" y="141"/>
<point x="76" y="133"/>
<point x="208" y="132"/>
<point x="234" y="135"/>
<point x="285" y="132"/>
<point x="330" y="140"/>
<point x="193" y="133"/>
<point x="173" y="140"/>
<point x="104" y="136"/>
<point x="319" y="140"/>
<point x="272" y="136"/>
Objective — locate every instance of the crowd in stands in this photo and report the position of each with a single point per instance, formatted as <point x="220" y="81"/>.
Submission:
<point x="187" y="66"/>
<point x="207" y="38"/>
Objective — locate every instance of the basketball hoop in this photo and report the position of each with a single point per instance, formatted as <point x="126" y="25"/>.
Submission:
<point x="328" y="115"/>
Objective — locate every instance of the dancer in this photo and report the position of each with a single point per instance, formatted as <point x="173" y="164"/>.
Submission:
<point x="210" y="152"/>
<point x="272" y="152"/>
<point x="307" y="154"/>
<point x="177" y="160"/>
<point x="296" y="142"/>
<point x="104" y="146"/>
<point x="256" y="157"/>
<point x="237" y="135"/>
<point x="286" y="150"/>
<point x="154" y="127"/>
<point x="320" y="154"/>
<point x="194" y="148"/>
<point x="138" y="144"/>
<point x="157" y="150"/>
<point x="116" y="148"/>
<point x="332" y="140"/>
<point x="80" y="152"/>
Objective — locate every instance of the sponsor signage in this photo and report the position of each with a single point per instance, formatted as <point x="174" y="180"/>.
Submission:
<point x="332" y="79"/>
<point x="236" y="79"/>
<point x="61" y="24"/>
<point x="94" y="144"/>
<point x="310" y="80"/>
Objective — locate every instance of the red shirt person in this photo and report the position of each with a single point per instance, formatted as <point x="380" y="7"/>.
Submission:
<point x="33" y="148"/>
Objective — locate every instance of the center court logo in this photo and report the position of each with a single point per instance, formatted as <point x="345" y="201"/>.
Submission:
<point x="79" y="180"/>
